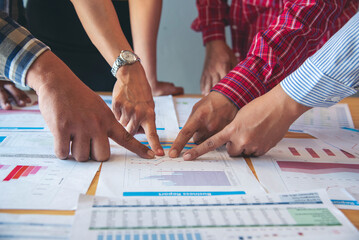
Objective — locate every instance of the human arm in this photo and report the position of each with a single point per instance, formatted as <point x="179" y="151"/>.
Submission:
<point x="324" y="79"/>
<point x="132" y="101"/>
<point x="274" y="53"/>
<point x="73" y="112"/>
<point x="219" y="59"/>
<point x="145" y="20"/>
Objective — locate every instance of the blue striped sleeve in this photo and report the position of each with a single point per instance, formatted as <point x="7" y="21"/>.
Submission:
<point x="331" y="74"/>
<point x="18" y="50"/>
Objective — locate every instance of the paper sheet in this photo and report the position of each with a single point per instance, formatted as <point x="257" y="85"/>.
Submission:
<point x="22" y="120"/>
<point x="43" y="183"/>
<point x="214" y="173"/>
<point x="306" y="164"/>
<point x="32" y="226"/>
<point x="184" y="108"/>
<point x="333" y="117"/>
<point x="343" y="138"/>
<point x="286" y="216"/>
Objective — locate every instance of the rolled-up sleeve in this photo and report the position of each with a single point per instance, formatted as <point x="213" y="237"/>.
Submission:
<point x="331" y="74"/>
<point x="18" y="50"/>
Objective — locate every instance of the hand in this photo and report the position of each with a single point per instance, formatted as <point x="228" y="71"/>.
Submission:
<point x="9" y="91"/>
<point x="210" y="115"/>
<point x="257" y="127"/>
<point x="133" y="105"/>
<point x="165" y="88"/>
<point x="76" y="114"/>
<point x="218" y="62"/>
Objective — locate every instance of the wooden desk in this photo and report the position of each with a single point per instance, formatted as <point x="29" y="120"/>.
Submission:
<point x="352" y="215"/>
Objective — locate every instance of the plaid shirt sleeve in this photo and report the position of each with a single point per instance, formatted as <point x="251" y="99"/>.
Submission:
<point x="280" y="49"/>
<point x="213" y="16"/>
<point x="18" y="50"/>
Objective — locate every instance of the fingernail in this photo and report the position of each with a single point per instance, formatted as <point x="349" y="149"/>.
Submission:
<point x="187" y="156"/>
<point x="21" y="102"/>
<point x="160" y="152"/>
<point x="151" y="153"/>
<point x="173" y="153"/>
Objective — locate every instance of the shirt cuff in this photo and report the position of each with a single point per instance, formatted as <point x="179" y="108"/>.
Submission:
<point x="213" y="32"/>
<point x="309" y="86"/>
<point x="26" y="57"/>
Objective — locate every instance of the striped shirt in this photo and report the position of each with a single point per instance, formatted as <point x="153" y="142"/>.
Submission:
<point x="271" y="38"/>
<point x="331" y="74"/>
<point x="18" y="50"/>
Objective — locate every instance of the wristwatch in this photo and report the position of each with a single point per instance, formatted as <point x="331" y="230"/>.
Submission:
<point x="126" y="58"/>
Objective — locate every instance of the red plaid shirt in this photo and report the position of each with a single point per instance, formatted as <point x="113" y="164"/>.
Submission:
<point x="270" y="38"/>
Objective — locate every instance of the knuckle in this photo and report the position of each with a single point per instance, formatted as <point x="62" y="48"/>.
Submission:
<point x="210" y="144"/>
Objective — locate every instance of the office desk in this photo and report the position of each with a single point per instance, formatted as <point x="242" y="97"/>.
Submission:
<point x="352" y="215"/>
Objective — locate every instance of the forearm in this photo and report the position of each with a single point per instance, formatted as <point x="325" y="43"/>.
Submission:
<point x="145" y="20"/>
<point x="101" y="24"/>
<point x="280" y="49"/>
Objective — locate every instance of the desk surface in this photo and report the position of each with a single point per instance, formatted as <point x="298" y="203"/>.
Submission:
<point x="352" y="215"/>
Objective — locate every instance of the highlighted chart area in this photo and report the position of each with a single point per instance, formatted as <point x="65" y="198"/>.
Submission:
<point x="317" y="168"/>
<point x="23" y="171"/>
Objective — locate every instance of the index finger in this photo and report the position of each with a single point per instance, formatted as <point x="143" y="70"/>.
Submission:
<point x="210" y="144"/>
<point x="123" y="138"/>
<point x="184" y="136"/>
<point x="149" y="128"/>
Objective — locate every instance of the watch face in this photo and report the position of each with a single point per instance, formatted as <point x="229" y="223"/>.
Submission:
<point x="128" y="56"/>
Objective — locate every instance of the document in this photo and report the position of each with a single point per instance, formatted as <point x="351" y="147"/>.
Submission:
<point x="342" y="138"/>
<point x="214" y="173"/>
<point x="43" y="183"/>
<point x="184" y="108"/>
<point x="278" y="216"/>
<point x="22" y="120"/>
<point x="320" y="118"/>
<point x="306" y="164"/>
<point x="32" y="226"/>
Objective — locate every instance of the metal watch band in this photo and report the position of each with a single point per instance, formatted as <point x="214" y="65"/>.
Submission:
<point x="119" y="62"/>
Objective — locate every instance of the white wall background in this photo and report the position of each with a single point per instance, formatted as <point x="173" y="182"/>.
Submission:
<point x="180" y="53"/>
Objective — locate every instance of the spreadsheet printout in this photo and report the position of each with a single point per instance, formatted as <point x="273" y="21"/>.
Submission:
<point x="277" y="216"/>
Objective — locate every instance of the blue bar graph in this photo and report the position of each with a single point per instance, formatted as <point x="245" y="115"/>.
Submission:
<point x="145" y="237"/>
<point x="163" y="237"/>
<point x="189" y="236"/>
<point x="100" y="237"/>
<point x="109" y="237"/>
<point x="172" y="236"/>
<point x="180" y="236"/>
<point x="198" y="236"/>
<point x="137" y="237"/>
<point x="127" y="237"/>
<point x="118" y="237"/>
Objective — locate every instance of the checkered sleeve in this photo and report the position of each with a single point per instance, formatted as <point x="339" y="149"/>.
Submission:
<point x="18" y="50"/>
<point x="280" y="49"/>
<point x="212" y="18"/>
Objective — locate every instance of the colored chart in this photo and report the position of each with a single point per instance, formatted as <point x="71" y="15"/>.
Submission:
<point x="2" y="138"/>
<point x="192" y="178"/>
<point x="146" y="236"/>
<point x="168" y="145"/>
<point x="316" y="153"/>
<point x="317" y="168"/>
<point x="23" y="171"/>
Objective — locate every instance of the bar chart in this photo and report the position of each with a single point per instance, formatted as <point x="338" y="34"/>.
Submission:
<point x="168" y="145"/>
<point x="23" y="171"/>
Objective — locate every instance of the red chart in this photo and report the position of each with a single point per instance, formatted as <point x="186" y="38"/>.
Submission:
<point x="20" y="171"/>
<point x="317" y="168"/>
<point x="315" y="153"/>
